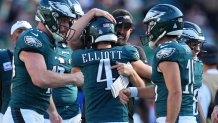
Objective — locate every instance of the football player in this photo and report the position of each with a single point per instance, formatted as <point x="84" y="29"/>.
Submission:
<point x="96" y="64"/>
<point x="122" y="40"/>
<point x="171" y="69"/>
<point x="193" y="37"/>
<point x="65" y="98"/>
<point x="6" y="65"/>
<point x="78" y="27"/>
<point x="34" y="59"/>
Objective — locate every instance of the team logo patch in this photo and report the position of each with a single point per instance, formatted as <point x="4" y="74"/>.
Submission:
<point x="153" y="15"/>
<point x="7" y="66"/>
<point x="165" y="52"/>
<point x="32" y="41"/>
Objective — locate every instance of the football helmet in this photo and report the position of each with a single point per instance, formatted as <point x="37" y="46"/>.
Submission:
<point x="50" y="10"/>
<point x="192" y="33"/>
<point x="163" y="20"/>
<point x="99" y="29"/>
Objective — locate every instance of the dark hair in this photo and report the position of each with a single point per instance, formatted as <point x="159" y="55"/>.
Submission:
<point x="209" y="54"/>
<point x="120" y="14"/>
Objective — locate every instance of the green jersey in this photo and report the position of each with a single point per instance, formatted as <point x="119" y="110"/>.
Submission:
<point x="25" y="94"/>
<point x="174" y="52"/>
<point x="65" y="98"/>
<point x="198" y="72"/>
<point x="5" y="78"/>
<point x="96" y="65"/>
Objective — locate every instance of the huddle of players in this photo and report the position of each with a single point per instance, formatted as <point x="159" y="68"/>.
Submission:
<point x="101" y="62"/>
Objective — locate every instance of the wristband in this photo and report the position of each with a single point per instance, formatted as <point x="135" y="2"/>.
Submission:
<point x="133" y="91"/>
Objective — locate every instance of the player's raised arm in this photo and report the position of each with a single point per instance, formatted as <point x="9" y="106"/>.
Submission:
<point x="79" y="25"/>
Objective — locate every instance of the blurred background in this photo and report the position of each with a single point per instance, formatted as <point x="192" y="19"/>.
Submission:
<point x="202" y="12"/>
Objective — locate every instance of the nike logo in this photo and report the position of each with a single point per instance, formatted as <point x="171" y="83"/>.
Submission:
<point x="35" y="34"/>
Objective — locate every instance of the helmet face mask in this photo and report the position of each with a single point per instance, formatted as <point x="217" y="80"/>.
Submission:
<point x="163" y="20"/>
<point x="50" y="12"/>
<point x="98" y="30"/>
<point x="148" y="28"/>
<point x="195" y="47"/>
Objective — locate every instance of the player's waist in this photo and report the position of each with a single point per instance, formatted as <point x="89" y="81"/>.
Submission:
<point x="38" y="105"/>
<point x="63" y="101"/>
<point x="185" y="110"/>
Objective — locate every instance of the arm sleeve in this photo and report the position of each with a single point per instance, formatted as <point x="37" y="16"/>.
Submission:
<point x="29" y="42"/>
<point x="131" y="53"/>
<point x="168" y="54"/>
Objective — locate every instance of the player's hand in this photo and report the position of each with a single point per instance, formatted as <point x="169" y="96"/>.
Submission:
<point x="99" y="12"/>
<point x="123" y="69"/>
<point x="55" y="117"/>
<point x="78" y="78"/>
<point x="124" y="95"/>
<point x="214" y="115"/>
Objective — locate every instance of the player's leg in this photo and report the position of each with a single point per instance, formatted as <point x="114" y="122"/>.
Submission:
<point x="1" y="117"/>
<point x="161" y="120"/>
<point x="17" y="115"/>
<point x="76" y="119"/>
<point x="47" y="121"/>
<point x="31" y="116"/>
<point x="187" y="119"/>
<point x="7" y="118"/>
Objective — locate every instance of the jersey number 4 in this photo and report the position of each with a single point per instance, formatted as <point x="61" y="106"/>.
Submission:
<point x="106" y="66"/>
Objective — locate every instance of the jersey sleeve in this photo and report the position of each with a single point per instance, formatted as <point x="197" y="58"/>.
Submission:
<point x="168" y="53"/>
<point x="5" y="60"/>
<point x="76" y="58"/>
<point x="5" y="65"/>
<point x="31" y="41"/>
<point x="131" y="53"/>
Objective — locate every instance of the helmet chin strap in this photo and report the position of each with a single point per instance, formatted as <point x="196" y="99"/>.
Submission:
<point x="152" y="44"/>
